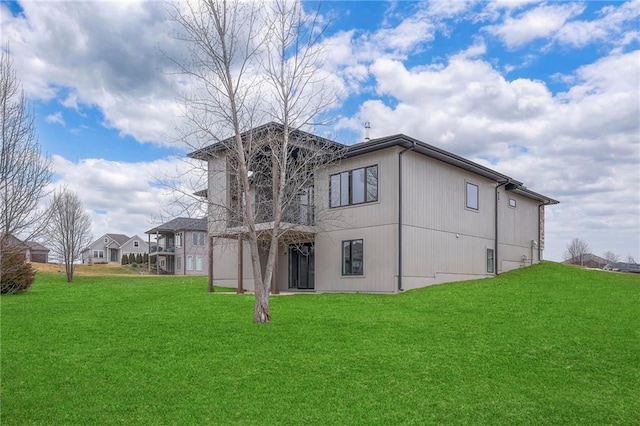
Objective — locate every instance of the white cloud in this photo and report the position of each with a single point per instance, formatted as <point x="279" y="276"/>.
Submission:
<point x="128" y="198"/>
<point x="540" y="22"/>
<point x="56" y="118"/>
<point x="581" y="146"/>
<point x="98" y="54"/>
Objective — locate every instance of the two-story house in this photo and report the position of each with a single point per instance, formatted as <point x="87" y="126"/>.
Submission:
<point x="110" y="248"/>
<point x="180" y="247"/>
<point x="392" y="214"/>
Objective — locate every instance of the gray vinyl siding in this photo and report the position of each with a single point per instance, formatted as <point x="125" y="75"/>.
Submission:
<point x="375" y="223"/>
<point x="217" y="193"/>
<point x="129" y="247"/>
<point x="189" y="249"/>
<point x="443" y="240"/>
<point x="518" y="227"/>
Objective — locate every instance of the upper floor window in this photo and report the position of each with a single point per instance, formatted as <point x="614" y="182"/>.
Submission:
<point x="178" y="240"/>
<point x="136" y="244"/>
<point x="354" y="187"/>
<point x="472" y="196"/>
<point x="512" y="203"/>
<point x="198" y="239"/>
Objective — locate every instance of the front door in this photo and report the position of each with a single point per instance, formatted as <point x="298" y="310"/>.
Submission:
<point x="301" y="266"/>
<point x="114" y="255"/>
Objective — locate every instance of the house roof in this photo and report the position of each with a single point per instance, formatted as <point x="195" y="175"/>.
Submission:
<point x="587" y="257"/>
<point x="181" y="224"/>
<point x="33" y="245"/>
<point x="408" y="142"/>
<point x="296" y="134"/>
<point x="400" y="140"/>
<point x="119" y="238"/>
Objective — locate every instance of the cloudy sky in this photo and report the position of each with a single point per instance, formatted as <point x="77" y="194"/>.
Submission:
<point x="546" y="92"/>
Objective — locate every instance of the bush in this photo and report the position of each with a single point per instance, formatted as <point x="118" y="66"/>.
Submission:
<point x="138" y="258"/>
<point x="125" y="259"/>
<point x="132" y="258"/>
<point x="17" y="273"/>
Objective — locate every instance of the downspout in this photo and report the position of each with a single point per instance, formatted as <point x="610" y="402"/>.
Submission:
<point x="495" y="243"/>
<point x="413" y="145"/>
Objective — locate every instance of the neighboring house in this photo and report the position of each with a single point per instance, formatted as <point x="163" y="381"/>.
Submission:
<point x="180" y="247"/>
<point x="111" y="247"/>
<point x="33" y="251"/>
<point x="588" y="260"/>
<point x="393" y="214"/>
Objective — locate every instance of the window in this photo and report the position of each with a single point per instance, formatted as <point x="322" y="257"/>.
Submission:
<point x="198" y="263"/>
<point x="352" y="257"/>
<point x="354" y="187"/>
<point x="195" y="238"/>
<point x="472" y="196"/>
<point x="98" y="253"/>
<point x="106" y="240"/>
<point x="201" y="239"/>
<point x="512" y="203"/>
<point x="136" y="244"/>
<point x="189" y="263"/>
<point x="490" y="261"/>
<point x="178" y="263"/>
<point x="178" y="241"/>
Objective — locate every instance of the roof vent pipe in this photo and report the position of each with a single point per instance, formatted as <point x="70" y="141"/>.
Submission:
<point x="367" y="128"/>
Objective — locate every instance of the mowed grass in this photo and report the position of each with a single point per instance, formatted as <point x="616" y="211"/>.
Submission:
<point x="550" y="344"/>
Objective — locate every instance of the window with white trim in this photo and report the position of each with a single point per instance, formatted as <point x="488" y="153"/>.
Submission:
<point x="178" y="240"/>
<point x="98" y="253"/>
<point x="356" y="186"/>
<point x="199" y="263"/>
<point x="189" y="263"/>
<point x="512" y="203"/>
<point x="178" y="263"/>
<point x="136" y="244"/>
<point x="472" y="196"/>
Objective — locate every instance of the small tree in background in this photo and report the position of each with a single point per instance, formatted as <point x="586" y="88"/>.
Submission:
<point x="125" y="259"/>
<point x="69" y="228"/>
<point x="145" y="258"/>
<point x="138" y="258"/>
<point x="611" y="256"/>
<point x="132" y="258"/>
<point x="575" y="251"/>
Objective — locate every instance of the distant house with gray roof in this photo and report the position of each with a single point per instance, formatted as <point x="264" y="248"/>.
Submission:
<point x="111" y="247"/>
<point x="180" y="247"/>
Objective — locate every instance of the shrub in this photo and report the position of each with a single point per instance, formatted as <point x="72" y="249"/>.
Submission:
<point x="132" y="258"/>
<point x="17" y="273"/>
<point x="145" y="258"/>
<point x="138" y="258"/>
<point x="125" y="259"/>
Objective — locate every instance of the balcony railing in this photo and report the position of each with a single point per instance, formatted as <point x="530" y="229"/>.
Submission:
<point x="301" y="214"/>
<point x="170" y="249"/>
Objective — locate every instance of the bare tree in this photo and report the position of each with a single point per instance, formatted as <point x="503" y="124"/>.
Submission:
<point x="24" y="171"/>
<point x="631" y="259"/>
<point x="251" y="62"/>
<point x="575" y="251"/>
<point x="611" y="256"/>
<point x="69" y="228"/>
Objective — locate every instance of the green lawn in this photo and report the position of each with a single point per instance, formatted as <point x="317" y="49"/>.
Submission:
<point x="550" y="344"/>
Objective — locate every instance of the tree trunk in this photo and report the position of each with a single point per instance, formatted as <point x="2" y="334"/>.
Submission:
<point x="261" y="313"/>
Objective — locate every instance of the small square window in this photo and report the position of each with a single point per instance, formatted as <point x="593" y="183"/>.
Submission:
<point x="136" y="244"/>
<point x="512" y="203"/>
<point x="472" y="196"/>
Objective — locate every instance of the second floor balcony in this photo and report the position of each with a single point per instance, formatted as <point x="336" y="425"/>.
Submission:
<point x="298" y="214"/>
